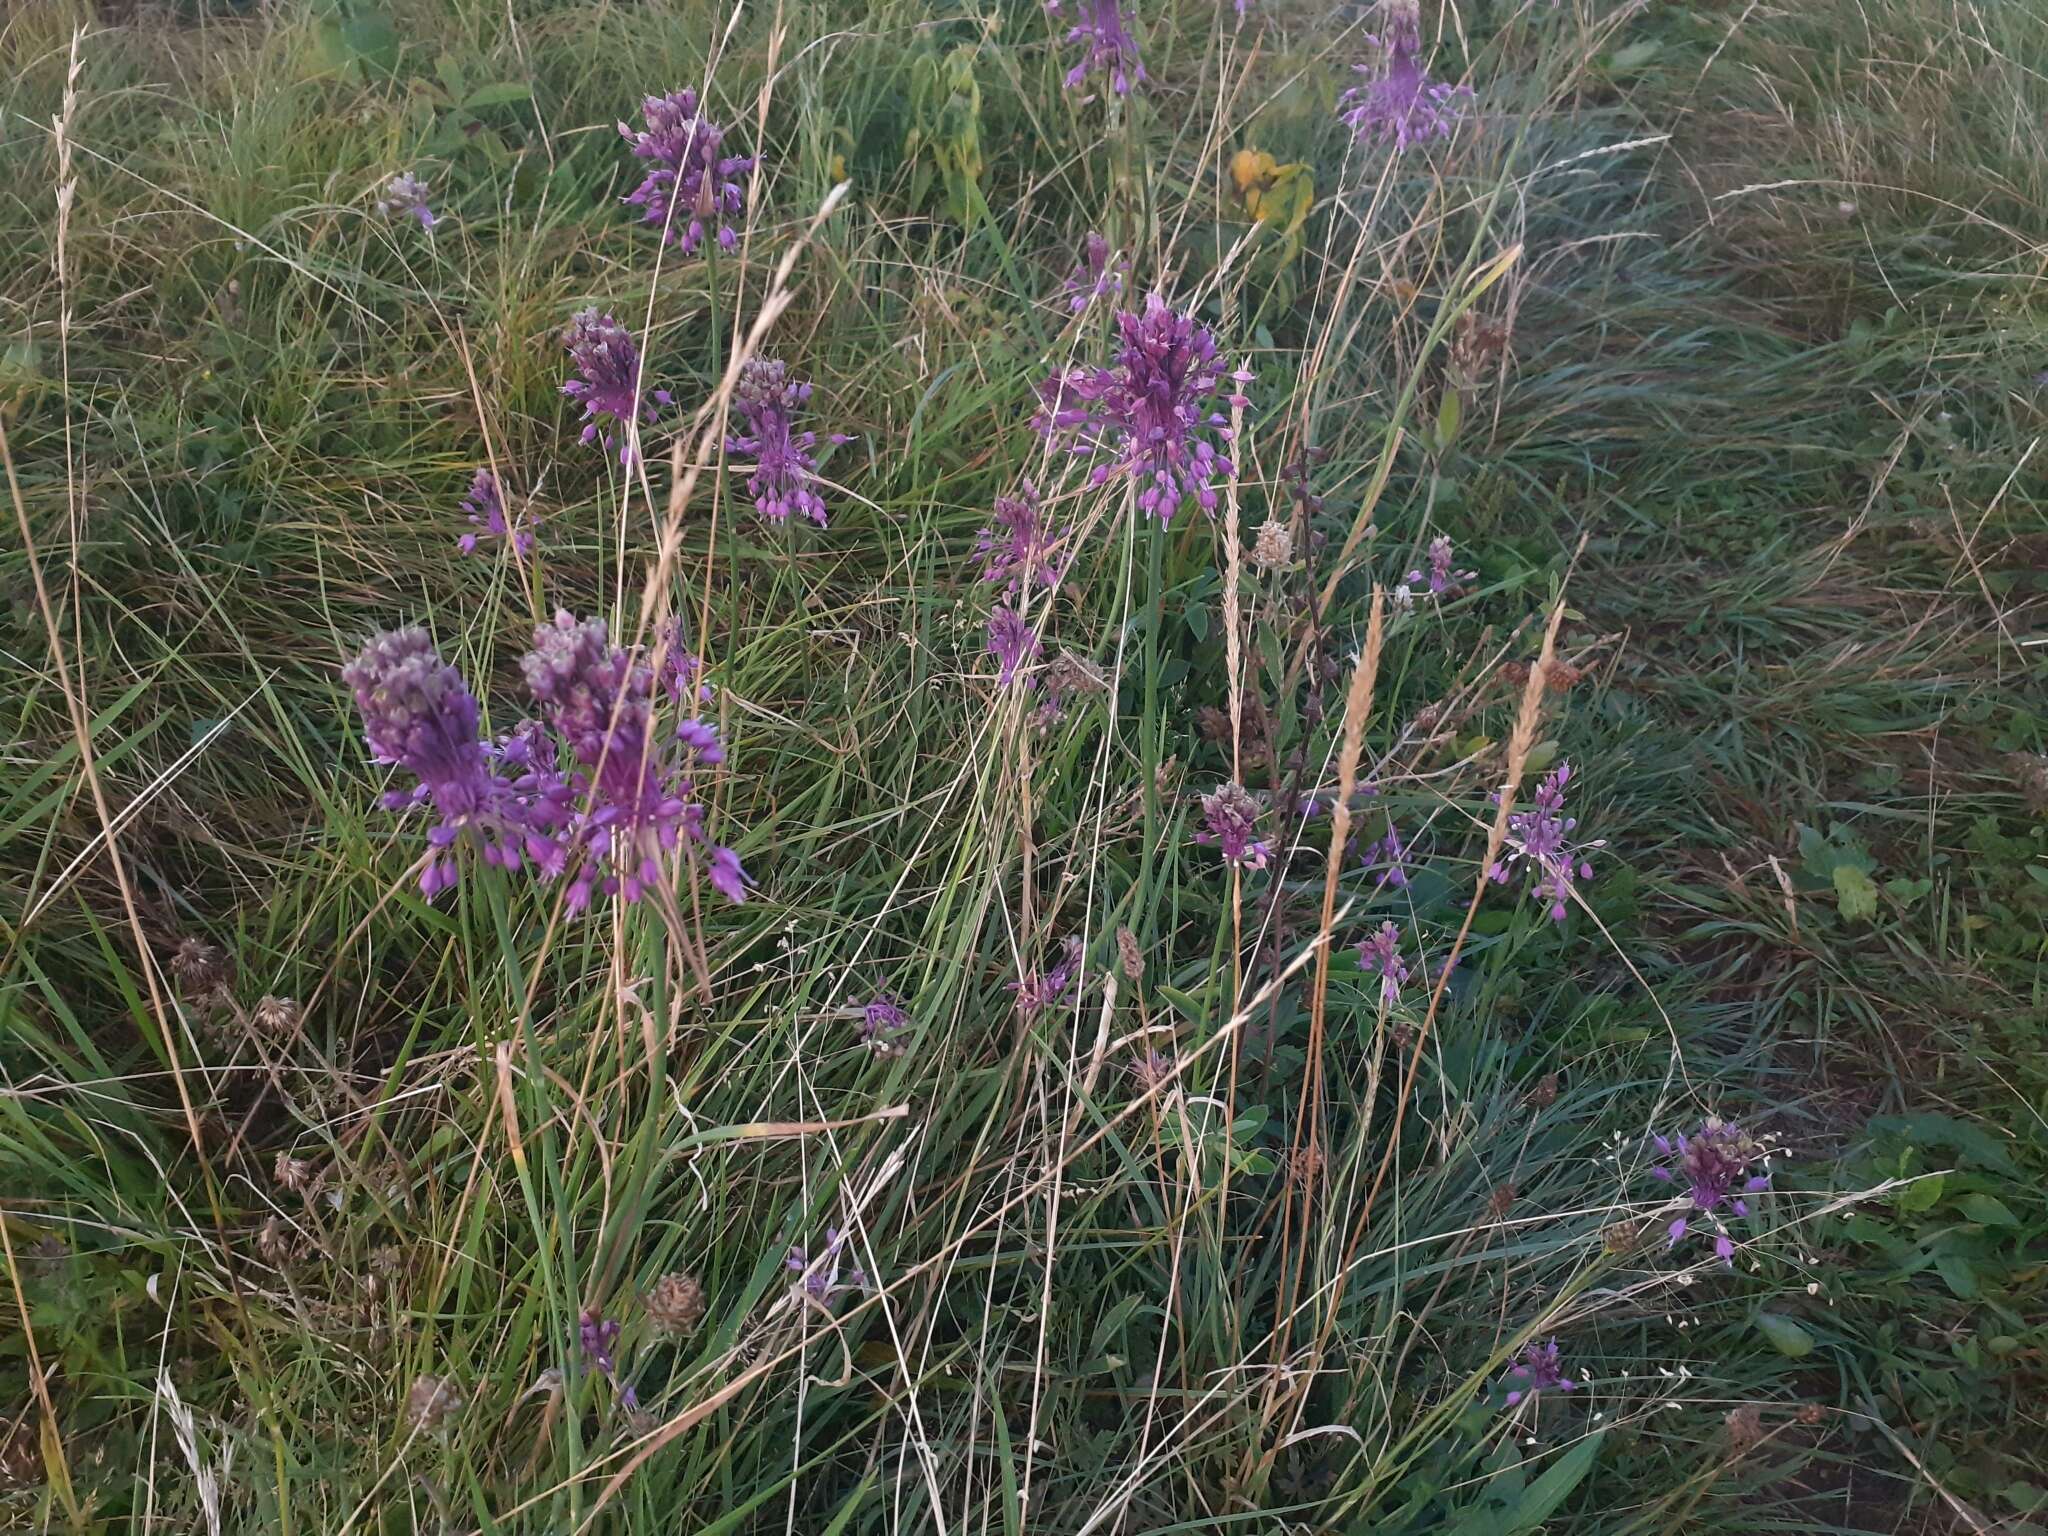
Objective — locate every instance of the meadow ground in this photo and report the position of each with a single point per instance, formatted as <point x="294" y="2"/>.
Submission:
<point x="1054" y="1138"/>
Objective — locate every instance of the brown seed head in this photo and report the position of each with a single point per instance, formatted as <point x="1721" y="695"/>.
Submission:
<point x="1621" y="1238"/>
<point x="277" y="1017"/>
<point x="296" y="1174"/>
<point x="1128" y="958"/>
<point x="432" y="1404"/>
<point x="1745" y="1427"/>
<point x="675" y="1304"/>
<point x="1273" y="547"/>
<point x="1544" y="1094"/>
<point x="1501" y="1201"/>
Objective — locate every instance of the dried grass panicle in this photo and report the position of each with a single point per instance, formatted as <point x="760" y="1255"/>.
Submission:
<point x="675" y="1304"/>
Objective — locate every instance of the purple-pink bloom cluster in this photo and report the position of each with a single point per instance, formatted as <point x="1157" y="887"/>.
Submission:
<point x="406" y="193"/>
<point x="1537" y="1369"/>
<point x="1020" y="548"/>
<point x="485" y="504"/>
<point x="1400" y="103"/>
<point x="598" y="1337"/>
<point x="1039" y="990"/>
<point x="1151" y="411"/>
<point x="1094" y="276"/>
<point x="1387" y="857"/>
<point x="883" y="1024"/>
<point x="689" y="178"/>
<point x="1380" y="955"/>
<point x="819" y="1278"/>
<point x="1441" y="579"/>
<point x="419" y="715"/>
<point x="607" y="382"/>
<point x="784" y="477"/>
<point x="634" y="800"/>
<point x="1541" y="839"/>
<point x="1112" y="51"/>
<point x="1010" y="641"/>
<point x="1714" y="1162"/>
<point x="1233" y="824"/>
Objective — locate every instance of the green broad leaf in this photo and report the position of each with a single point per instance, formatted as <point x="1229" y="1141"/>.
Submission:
<point x="1987" y="1210"/>
<point x="1920" y="1195"/>
<point x="500" y="93"/>
<point x="1450" y="414"/>
<point x="1541" y="756"/>
<point x="1787" y="1337"/>
<point x="1959" y="1275"/>
<point x="1855" y="894"/>
<point x="1542" y="1497"/>
<point x="1183" y="1003"/>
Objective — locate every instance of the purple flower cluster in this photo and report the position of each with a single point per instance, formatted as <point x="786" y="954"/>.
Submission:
<point x="883" y="1024"/>
<point x="419" y="715"/>
<point x="1112" y="51"/>
<point x="784" y="474"/>
<point x="1019" y="548"/>
<point x="690" y="178"/>
<point x="1441" y="580"/>
<point x="1233" y="823"/>
<point x="1714" y="1162"/>
<point x="406" y="194"/>
<point x="1039" y="990"/>
<point x="485" y="504"/>
<point x="597" y="1337"/>
<point x="1537" y="1369"/>
<point x="1387" y="857"/>
<point x="1151" y="411"/>
<point x="1094" y="276"/>
<point x="1400" y="103"/>
<point x="1381" y="955"/>
<point x="607" y="382"/>
<point x="636" y="797"/>
<point x="819" y="1278"/>
<point x="1541" y="839"/>
<point x="1010" y="641"/>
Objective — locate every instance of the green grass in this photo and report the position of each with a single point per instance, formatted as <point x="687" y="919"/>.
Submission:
<point x="1766" y="428"/>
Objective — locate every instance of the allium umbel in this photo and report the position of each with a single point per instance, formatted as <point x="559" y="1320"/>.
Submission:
<point x="1714" y="1163"/>
<point x="1536" y="1370"/>
<point x="1039" y="990"/>
<point x="1020" y="548"/>
<point x="419" y="715"/>
<point x="635" y="795"/>
<point x="1112" y="50"/>
<point x="1540" y="838"/>
<point x="1010" y="641"/>
<point x="1380" y="956"/>
<point x="1233" y="818"/>
<point x="1151" y="413"/>
<point x="1400" y="103"/>
<point x="1441" y="579"/>
<point x="784" y="476"/>
<point x="1094" y="276"/>
<point x="607" y="382"/>
<point x="883" y="1024"/>
<point x="485" y="505"/>
<point x="406" y="194"/>
<point x="819" y="1279"/>
<point x="690" y="179"/>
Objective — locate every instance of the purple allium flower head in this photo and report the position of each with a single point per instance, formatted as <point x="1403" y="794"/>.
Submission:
<point x="1541" y="838"/>
<point x="1068" y="674"/>
<point x="819" y="1278"/>
<point x="785" y="472"/>
<point x="1020" y="548"/>
<point x="1039" y="990"/>
<point x="1388" y="858"/>
<point x="1400" y="103"/>
<point x="1152" y="410"/>
<point x="1094" y="276"/>
<point x="636" y="797"/>
<point x="1714" y="1162"/>
<point x="485" y="504"/>
<point x="1441" y="580"/>
<point x="883" y="1024"/>
<point x="689" y="177"/>
<point x="1381" y="955"/>
<point x="1233" y="817"/>
<point x="1111" y="48"/>
<point x="1537" y="1369"/>
<point x="406" y="194"/>
<point x="607" y="385"/>
<point x="1010" y="641"/>
<point x="598" y="1337"/>
<point x="419" y="715"/>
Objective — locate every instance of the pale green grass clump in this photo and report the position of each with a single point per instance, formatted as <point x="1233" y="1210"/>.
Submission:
<point x="1709" y="340"/>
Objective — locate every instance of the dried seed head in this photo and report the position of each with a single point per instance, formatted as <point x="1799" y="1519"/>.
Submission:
<point x="1811" y="1413"/>
<point x="296" y="1174"/>
<point x="2030" y="772"/>
<point x="277" y="1244"/>
<point x="279" y="1018"/>
<point x="1621" y="1238"/>
<point x="1745" y="1427"/>
<point x="1151" y="1072"/>
<point x="1129" y="960"/>
<point x="201" y="969"/>
<point x="1544" y="1094"/>
<point x="1213" y="723"/>
<point x="1501" y="1201"/>
<point x="1273" y="548"/>
<point x="675" y="1304"/>
<point x="21" y="1454"/>
<point x="432" y="1404"/>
